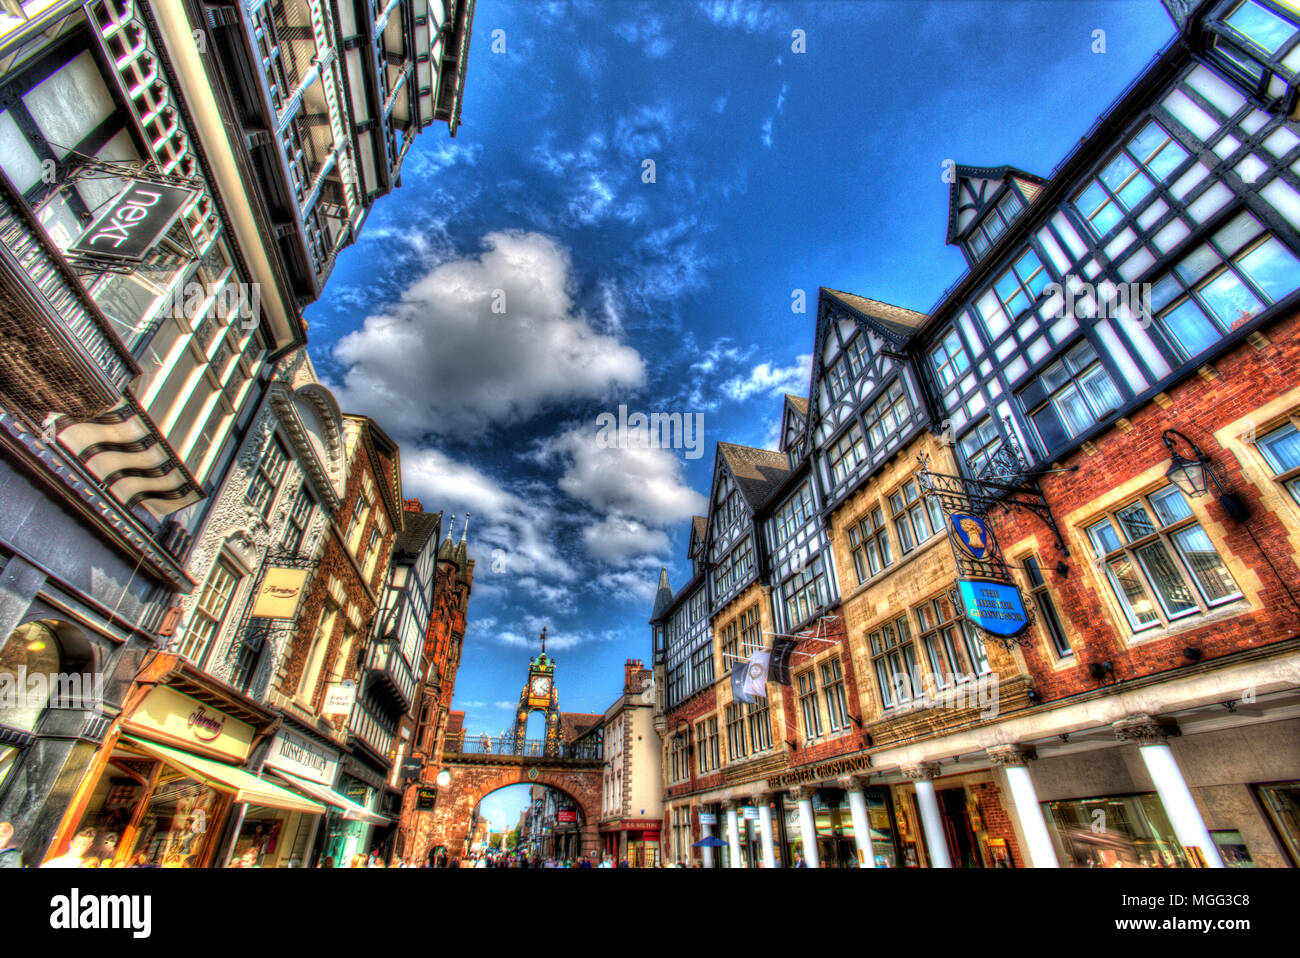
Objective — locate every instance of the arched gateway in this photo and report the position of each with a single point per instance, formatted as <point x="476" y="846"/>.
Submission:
<point x="570" y="759"/>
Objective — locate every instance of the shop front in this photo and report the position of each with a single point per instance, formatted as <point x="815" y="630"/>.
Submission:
<point x="634" y="840"/>
<point x="350" y="830"/>
<point x="166" y="789"/>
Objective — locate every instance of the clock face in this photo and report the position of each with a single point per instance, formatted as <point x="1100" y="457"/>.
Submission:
<point x="541" y="686"/>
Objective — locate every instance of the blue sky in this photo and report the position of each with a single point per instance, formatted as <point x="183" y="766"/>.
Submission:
<point x="774" y="171"/>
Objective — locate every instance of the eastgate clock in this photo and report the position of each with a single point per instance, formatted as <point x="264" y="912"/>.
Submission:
<point x="541" y="686"/>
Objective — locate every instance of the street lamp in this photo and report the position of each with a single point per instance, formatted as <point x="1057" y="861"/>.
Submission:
<point x="1194" y="476"/>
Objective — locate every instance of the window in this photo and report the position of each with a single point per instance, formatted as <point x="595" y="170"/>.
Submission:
<point x="316" y="657"/>
<point x="846" y="453"/>
<point x="1261" y="26"/>
<point x="805" y="592"/>
<point x="1070" y="396"/>
<point x="980" y="445"/>
<point x="295" y="529"/>
<point x="848" y="365"/>
<point x="869" y="542"/>
<point x="952" y="648"/>
<point x="736" y="732"/>
<point x="994" y="223"/>
<point x="209" y="610"/>
<point x="706" y="744"/>
<point x="372" y="552"/>
<point x="730" y="510"/>
<point x="680" y="753"/>
<point x="837" y="706"/>
<point x="1159" y="560"/>
<point x="792" y="516"/>
<point x="894" y="659"/>
<point x="741" y="638"/>
<point x="914" y="520"/>
<point x="760" y="725"/>
<point x="949" y="359"/>
<point x="676" y="684"/>
<point x="360" y="513"/>
<point x="812" y="716"/>
<point x="702" y="667"/>
<point x="733" y="569"/>
<point x="1050" y="621"/>
<point x="1015" y="291"/>
<point x="886" y="415"/>
<point x="1149" y="158"/>
<point x="1281" y="450"/>
<point x="267" y="476"/>
<point x="1240" y="271"/>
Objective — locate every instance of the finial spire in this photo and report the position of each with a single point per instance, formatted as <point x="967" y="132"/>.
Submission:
<point x="543" y="640"/>
<point x="465" y="530"/>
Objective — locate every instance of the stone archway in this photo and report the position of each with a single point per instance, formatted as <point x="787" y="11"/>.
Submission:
<point x="447" y="825"/>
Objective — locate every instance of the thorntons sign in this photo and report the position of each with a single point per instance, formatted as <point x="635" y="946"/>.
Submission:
<point x="133" y="222"/>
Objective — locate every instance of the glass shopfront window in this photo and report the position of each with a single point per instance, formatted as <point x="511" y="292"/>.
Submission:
<point x="261" y="837"/>
<point x="1282" y="802"/>
<point x="346" y="837"/>
<point x="1125" y="831"/>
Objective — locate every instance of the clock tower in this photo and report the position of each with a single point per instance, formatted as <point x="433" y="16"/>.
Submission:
<point x="539" y="695"/>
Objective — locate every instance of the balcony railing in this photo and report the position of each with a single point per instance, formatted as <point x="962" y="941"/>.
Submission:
<point x="463" y="743"/>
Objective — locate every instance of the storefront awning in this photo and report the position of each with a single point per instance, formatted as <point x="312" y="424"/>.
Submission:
<point x="246" y="787"/>
<point x="351" y="810"/>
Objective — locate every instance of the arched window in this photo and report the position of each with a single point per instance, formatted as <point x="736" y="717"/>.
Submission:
<point x="29" y="667"/>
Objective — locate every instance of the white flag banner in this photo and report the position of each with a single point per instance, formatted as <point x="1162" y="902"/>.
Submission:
<point x="756" y="674"/>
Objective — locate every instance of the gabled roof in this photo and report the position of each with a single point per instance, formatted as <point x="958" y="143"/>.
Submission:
<point x="996" y="173"/>
<point x="758" y="472"/>
<point x="894" y="321"/>
<point x="416" y="532"/>
<point x="800" y="403"/>
<point x="699" y="524"/>
<point x="574" y="725"/>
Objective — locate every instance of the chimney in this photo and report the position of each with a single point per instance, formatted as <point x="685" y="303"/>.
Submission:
<point x="412" y="505"/>
<point x="631" y="671"/>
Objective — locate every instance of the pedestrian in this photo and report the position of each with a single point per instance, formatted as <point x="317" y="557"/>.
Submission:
<point x="77" y="848"/>
<point x="328" y="862"/>
<point x="358" y="861"/>
<point x="798" y="861"/>
<point x="11" y="856"/>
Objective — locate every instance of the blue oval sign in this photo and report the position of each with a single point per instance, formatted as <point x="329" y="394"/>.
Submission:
<point x="996" y="607"/>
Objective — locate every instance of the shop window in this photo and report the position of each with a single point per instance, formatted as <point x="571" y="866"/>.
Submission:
<point x="1149" y="158"/>
<point x="916" y="517"/>
<point x="210" y="611"/>
<point x="1048" y="619"/>
<point x="869" y="545"/>
<point x="812" y="716"/>
<point x="32" y="649"/>
<point x="1225" y="282"/>
<point x="894" y="660"/>
<point x="1069" y="397"/>
<point x="1159" y="561"/>
<point x="1282" y="802"/>
<point x="1281" y="450"/>
<point x="1130" y="831"/>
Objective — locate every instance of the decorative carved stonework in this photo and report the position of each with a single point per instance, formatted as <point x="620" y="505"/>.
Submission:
<point x="1145" y="729"/>
<point x="921" y="771"/>
<point x="852" y="782"/>
<point x="1011" y="756"/>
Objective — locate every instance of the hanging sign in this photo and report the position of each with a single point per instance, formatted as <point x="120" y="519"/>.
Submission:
<point x="280" y="594"/>
<point x="971" y="533"/>
<point x="133" y="222"/>
<point x="339" y="698"/>
<point x="996" y="607"/>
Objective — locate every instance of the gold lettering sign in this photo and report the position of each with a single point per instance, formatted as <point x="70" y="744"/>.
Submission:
<point x="280" y="594"/>
<point x="176" y="719"/>
<point x="816" y="773"/>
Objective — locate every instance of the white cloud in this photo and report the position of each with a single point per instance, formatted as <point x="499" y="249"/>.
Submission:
<point x="766" y="379"/>
<point x="631" y="584"/>
<point x="442" y="360"/>
<point x="616" y="537"/>
<point x="648" y="32"/>
<point x="746" y="15"/>
<point x="766" y="133"/>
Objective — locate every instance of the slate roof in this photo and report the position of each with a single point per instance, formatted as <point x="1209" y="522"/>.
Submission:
<point x="800" y="403"/>
<point x="758" y="472"/>
<point x="573" y="725"/>
<point x="897" y="320"/>
<point x="415" y="534"/>
<point x="979" y="173"/>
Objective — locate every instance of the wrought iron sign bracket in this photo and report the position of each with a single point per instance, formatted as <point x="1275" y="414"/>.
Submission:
<point x="956" y="493"/>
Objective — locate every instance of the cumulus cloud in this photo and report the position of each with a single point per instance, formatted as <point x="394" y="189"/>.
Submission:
<point x="768" y="380"/>
<point x="617" y="537"/>
<point x="482" y="340"/>
<point x="746" y="15"/>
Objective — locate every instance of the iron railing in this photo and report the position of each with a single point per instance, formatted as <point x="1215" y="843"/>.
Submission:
<point x="464" y="743"/>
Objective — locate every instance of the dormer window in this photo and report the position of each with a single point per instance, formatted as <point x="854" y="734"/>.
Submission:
<point x="1259" y="45"/>
<point x="994" y="224"/>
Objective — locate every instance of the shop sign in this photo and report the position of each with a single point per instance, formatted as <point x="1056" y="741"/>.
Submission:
<point x="708" y="818"/>
<point x="566" y="818"/>
<point x="996" y="607"/>
<point x="302" y="757"/>
<point x="133" y="222"/>
<point x="425" y="799"/>
<point x="280" y="594"/>
<point x="177" y="719"/>
<point x="816" y="773"/>
<point x="339" y="698"/>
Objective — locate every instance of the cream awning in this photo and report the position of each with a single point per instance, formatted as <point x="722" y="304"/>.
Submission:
<point x="351" y="810"/>
<point x="245" y="786"/>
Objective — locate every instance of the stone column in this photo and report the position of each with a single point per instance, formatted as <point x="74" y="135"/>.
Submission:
<point x="807" y="826"/>
<point x="765" y="829"/>
<point x="852" y="784"/>
<point x="733" y="833"/>
<point x="706" y="831"/>
<point x="1014" y="761"/>
<point x="936" y="845"/>
<point x="1151" y="736"/>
